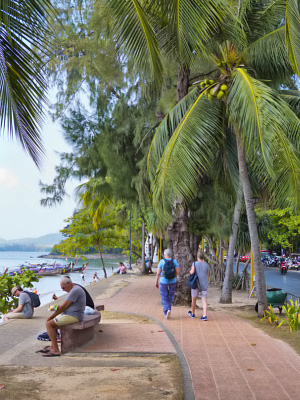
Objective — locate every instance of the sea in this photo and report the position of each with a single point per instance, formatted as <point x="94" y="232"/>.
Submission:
<point x="48" y="285"/>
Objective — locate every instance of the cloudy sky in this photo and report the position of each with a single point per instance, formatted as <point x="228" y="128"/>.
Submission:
<point x="21" y="214"/>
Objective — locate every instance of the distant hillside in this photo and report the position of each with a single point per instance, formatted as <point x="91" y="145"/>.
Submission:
<point x="44" y="243"/>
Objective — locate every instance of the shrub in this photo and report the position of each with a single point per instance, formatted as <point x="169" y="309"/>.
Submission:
<point x="7" y="302"/>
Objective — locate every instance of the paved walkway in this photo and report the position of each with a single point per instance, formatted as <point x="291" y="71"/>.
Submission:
<point x="222" y="358"/>
<point x="226" y="356"/>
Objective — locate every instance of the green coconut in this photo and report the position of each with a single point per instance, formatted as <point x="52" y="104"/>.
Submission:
<point x="209" y="96"/>
<point x="211" y="81"/>
<point x="220" y="94"/>
<point x="224" y="88"/>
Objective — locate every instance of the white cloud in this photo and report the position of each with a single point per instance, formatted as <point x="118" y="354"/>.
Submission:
<point x="8" y="179"/>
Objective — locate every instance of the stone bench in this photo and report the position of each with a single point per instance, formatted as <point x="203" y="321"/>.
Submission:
<point x="80" y="333"/>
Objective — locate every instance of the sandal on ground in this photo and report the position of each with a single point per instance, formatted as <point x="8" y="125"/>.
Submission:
<point x="49" y="354"/>
<point x="44" y="350"/>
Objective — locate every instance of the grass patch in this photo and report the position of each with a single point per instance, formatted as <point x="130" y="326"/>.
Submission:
<point x="280" y="333"/>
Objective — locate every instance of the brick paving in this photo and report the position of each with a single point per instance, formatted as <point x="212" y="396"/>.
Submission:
<point x="226" y="356"/>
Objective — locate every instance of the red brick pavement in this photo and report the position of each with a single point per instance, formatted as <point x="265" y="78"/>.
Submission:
<point x="221" y="355"/>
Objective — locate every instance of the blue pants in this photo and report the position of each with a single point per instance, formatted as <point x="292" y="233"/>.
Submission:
<point x="167" y="292"/>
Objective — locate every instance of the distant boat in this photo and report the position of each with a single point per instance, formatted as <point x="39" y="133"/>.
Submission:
<point x="48" y="272"/>
<point x="80" y="269"/>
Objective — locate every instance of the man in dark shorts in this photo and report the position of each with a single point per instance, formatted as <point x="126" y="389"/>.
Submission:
<point x="202" y="271"/>
<point x="71" y="311"/>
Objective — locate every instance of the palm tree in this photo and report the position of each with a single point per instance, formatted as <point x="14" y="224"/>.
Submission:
<point x="177" y="30"/>
<point x="23" y="36"/>
<point x="264" y="126"/>
<point x="251" y="110"/>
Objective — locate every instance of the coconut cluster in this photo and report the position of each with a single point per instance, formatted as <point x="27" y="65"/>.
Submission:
<point x="218" y="90"/>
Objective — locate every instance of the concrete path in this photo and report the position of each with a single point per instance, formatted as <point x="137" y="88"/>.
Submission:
<point x="222" y="358"/>
<point x="226" y="356"/>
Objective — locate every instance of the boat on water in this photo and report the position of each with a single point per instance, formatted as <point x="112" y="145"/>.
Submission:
<point x="45" y="269"/>
<point x="48" y="272"/>
<point x="79" y="269"/>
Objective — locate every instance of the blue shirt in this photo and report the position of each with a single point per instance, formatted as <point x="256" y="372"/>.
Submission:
<point x="161" y="264"/>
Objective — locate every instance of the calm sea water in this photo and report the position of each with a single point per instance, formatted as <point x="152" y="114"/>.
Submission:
<point x="48" y="285"/>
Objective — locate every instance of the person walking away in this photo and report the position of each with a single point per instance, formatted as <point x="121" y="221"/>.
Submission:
<point x="166" y="274"/>
<point x="24" y="309"/>
<point x="82" y="277"/>
<point x="202" y="271"/>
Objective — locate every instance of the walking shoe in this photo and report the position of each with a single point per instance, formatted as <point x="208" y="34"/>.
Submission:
<point x="168" y="314"/>
<point x="204" y="318"/>
<point x="191" y="314"/>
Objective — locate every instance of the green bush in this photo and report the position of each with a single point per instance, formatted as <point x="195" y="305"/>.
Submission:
<point x="7" y="302"/>
<point x="292" y="313"/>
<point x="270" y="316"/>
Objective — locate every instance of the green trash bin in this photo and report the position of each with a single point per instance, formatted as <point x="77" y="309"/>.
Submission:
<point x="276" y="298"/>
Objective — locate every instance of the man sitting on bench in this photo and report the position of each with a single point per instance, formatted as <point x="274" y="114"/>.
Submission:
<point x="71" y="311"/>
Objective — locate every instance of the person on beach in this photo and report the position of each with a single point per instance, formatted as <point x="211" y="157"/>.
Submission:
<point x="122" y="269"/>
<point x="167" y="285"/>
<point x="24" y="309"/>
<point x="82" y="277"/>
<point x="71" y="311"/>
<point x="96" y="277"/>
<point x="202" y="271"/>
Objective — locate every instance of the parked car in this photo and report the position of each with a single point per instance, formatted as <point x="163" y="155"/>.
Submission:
<point x="245" y="258"/>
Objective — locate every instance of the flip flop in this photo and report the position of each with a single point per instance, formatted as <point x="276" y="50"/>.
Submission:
<point x="49" y="354"/>
<point x="44" y="350"/>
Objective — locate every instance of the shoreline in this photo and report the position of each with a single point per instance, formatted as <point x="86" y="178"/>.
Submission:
<point x="86" y="256"/>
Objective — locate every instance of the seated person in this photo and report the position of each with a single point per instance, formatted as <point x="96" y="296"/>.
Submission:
<point x="122" y="269"/>
<point x="24" y="309"/>
<point x="71" y="311"/>
<point x="95" y="277"/>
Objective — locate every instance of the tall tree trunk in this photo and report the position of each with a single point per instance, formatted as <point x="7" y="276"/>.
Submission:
<point x="226" y="296"/>
<point x="102" y="262"/>
<point x="178" y="232"/>
<point x="179" y="243"/>
<point x="248" y="196"/>
<point x="183" y="76"/>
<point x="194" y="244"/>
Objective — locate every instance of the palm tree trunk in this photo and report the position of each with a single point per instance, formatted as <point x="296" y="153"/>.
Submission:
<point x="226" y="296"/>
<point x="248" y="196"/>
<point x="178" y="232"/>
<point x="179" y="243"/>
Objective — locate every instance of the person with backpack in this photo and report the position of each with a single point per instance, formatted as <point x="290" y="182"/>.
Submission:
<point x="202" y="270"/>
<point x="25" y="307"/>
<point x="167" y="271"/>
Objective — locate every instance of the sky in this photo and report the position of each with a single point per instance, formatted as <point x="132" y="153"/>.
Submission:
<point x="21" y="215"/>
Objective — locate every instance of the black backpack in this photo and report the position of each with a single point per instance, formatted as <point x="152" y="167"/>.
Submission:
<point x="89" y="300"/>
<point x="169" y="269"/>
<point x="35" y="299"/>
